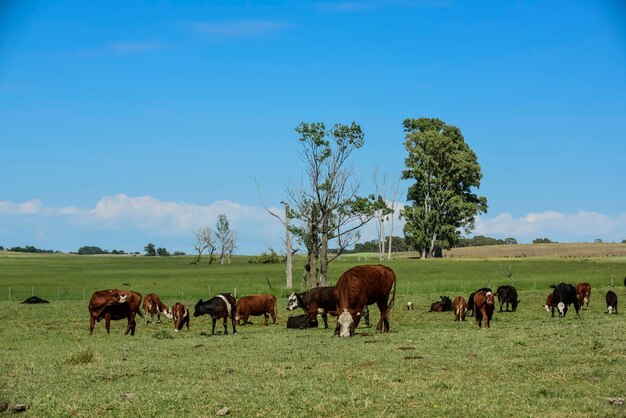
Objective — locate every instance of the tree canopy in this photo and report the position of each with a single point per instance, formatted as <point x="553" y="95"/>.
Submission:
<point x="445" y="172"/>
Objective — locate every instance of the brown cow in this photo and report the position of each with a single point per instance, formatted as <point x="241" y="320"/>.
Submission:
<point x="180" y="315"/>
<point x="255" y="305"/>
<point x="583" y="292"/>
<point x="152" y="305"/>
<point x="114" y="305"/>
<point x="459" y="307"/>
<point x="361" y="286"/>
<point x="548" y="304"/>
<point x="483" y="307"/>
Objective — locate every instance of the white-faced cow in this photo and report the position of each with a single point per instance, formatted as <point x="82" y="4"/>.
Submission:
<point x="361" y="286"/>
<point x="256" y="305"/>
<point x="114" y="305"/>
<point x="319" y="301"/>
<point x="611" y="302"/>
<point x="564" y="294"/>
<point x="221" y="306"/>
<point x="548" y="304"/>
<point x="152" y="305"/>
<point x="180" y="315"/>
<point x="470" y="300"/>
<point x="507" y="294"/>
<point x="484" y="305"/>
<point x="583" y="292"/>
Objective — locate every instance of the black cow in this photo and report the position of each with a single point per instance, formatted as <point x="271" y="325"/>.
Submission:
<point x="611" y="302"/>
<point x="564" y="294"/>
<point x="507" y="294"/>
<point x="470" y="300"/>
<point x="221" y="306"/>
<point x="301" y="322"/>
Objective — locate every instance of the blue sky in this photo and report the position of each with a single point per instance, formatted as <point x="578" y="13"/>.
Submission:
<point x="123" y="123"/>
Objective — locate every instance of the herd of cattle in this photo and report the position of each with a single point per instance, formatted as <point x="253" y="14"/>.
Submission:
<point x="348" y="300"/>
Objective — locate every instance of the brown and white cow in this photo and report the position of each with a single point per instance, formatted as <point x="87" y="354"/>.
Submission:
<point x="180" y="315"/>
<point x="361" y="286"/>
<point x="153" y="306"/>
<point x="320" y="301"/>
<point x="583" y="292"/>
<point x="256" y="305"/>
<point x="548" y="304"/>
<point x="483" y="307"/>
<point x="459" y="307"/>
<point x="114" y="305"/>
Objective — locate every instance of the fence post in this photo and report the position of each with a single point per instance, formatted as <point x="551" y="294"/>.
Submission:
<point x="9" y="293"/>
<point x="32" y="291"/>
<point x="58" y="294"/>
<point x="83" y="293"/>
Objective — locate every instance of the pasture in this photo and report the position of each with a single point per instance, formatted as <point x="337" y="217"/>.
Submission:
<point x="527" y="364"/>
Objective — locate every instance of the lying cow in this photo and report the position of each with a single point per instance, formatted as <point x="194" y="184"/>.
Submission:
<point x="301" y="322"/>
<point x="564" y="294"/>
<point x="152" y="305"/>
<point x="410" y="306"/>
<point x="319" y="300"/>
<point x="470" y="300"/>
<point x="256" y="305"/>
<point x="180" y="315"/>
<point x="548" y="304"/>
<point x="114" y="305"/>
<point x="583" y="292"/>
<point x="445" y="305"/>
<point x="459" y="307"/>
<point x="507" y="294"/>
<point x="484" y="305"/>
<point x="359" y="287"/>
<point x="611" y="302"/>
<point x="221" y="306"/>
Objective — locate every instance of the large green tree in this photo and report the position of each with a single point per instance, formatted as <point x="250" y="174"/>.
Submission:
<point x="446" y="173"/>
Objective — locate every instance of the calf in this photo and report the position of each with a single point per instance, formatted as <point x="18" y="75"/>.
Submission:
<point x="564" y="294"/>
<point x="410" y="306"/>
<point x="301" y="322"/>
<point x="548" y="304"/>
<point x="583" y="292"/>
<point x="445" y="305"/>
<point x="153" y="306"/>
<point x="611" y="302"/>
<point x="221" y="306"/>
<point x="459" y="307"/>
<point x="470" y="300"/>
<point x="114" y="305"/>
<point x="507" y="294"/>
<point x="320" y="301"/>
<point x="256" y="305"/>
<point x="483" y="307"/>
<point x="180" y="315"/>
<point x="359" y="287"/>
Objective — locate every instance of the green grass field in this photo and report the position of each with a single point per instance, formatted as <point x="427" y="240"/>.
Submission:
<point x="527" y="364"/>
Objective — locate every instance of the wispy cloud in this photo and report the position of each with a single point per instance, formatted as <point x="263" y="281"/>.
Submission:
<point x="121" y="48"/>
<point x="238" y="28"/>
<point x="367" y="5"/>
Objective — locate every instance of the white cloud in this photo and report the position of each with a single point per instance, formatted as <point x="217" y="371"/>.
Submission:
<point x="238" y="29"/>
<point x="31" y="207"/>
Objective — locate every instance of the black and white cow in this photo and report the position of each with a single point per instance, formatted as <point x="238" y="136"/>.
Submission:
<point x="507" y="294"/>
<point x="611" y="302"/>
<point x="564" y="294"/>
<point x="221" y="306"/>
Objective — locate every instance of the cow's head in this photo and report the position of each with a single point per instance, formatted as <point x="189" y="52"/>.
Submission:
<point x="198" y="309"/>
<point x="562" y="308"/>
<point x="346" y="322"/>
<point x="168" y="313"/>
<point x="610" y="309"/>
<point x="515" y="303"/>
<point x="489" y="298"/>
<point x="410" y="306"/>
<point x="293" y="302"/>
<point x="547" y="307"/>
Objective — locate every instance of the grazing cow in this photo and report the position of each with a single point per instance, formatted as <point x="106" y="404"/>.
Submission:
<point x="507" y="294"/>
<point x="152" y="305"/>
<point x="611" y="302"/>
<point x="563" y="295"/>
<point x="410" y="306"/>
<point x="114" y="305"/>
<point x="470" y="300"/>
<point x="548" y="304"/>
<point x="256" y="305"/>
<point x="459" y="306"/>
<point x="445" y="305"/>
<point x="483" y="307"/>
<point x="361" y="286"/>
<point x="180" y="315"/>
<point x="583" y="292"/>
<point x="319" y="300"/>
<point x="301" y="322"/>
<point x="221" y="306"/>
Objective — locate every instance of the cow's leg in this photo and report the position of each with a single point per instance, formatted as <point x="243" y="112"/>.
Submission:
<point x="225" y="325"/>
<point x="92" y="324"/>
<point x="273" y="314"/>
<point x="213" y="329"/>
<point x="325" y="318"/>
<point x="266" y="317"/>
<point x="382" y="306"/>
<point x="107" y="323"/>
<point x="234" y="329"/>
<point x="367" y="317"/>
<point x="186" y="322"/>
<point x="158" y="317"/>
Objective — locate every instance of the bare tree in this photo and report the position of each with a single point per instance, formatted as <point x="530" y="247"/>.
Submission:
<point x="226" y="239"/>
<point x="204" y="240"/>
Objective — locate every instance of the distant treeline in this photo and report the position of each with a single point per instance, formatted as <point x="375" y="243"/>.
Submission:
<point x="398" y="244"/>
<point x="480" y="240"/>
<point x="92" y="250"/>
<point x="28" y="249"/>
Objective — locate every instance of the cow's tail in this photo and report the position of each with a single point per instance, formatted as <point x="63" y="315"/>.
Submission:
<point x="140" y="313"/>
<point x="392" y="302"/>
<point x="552" y="286"/>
